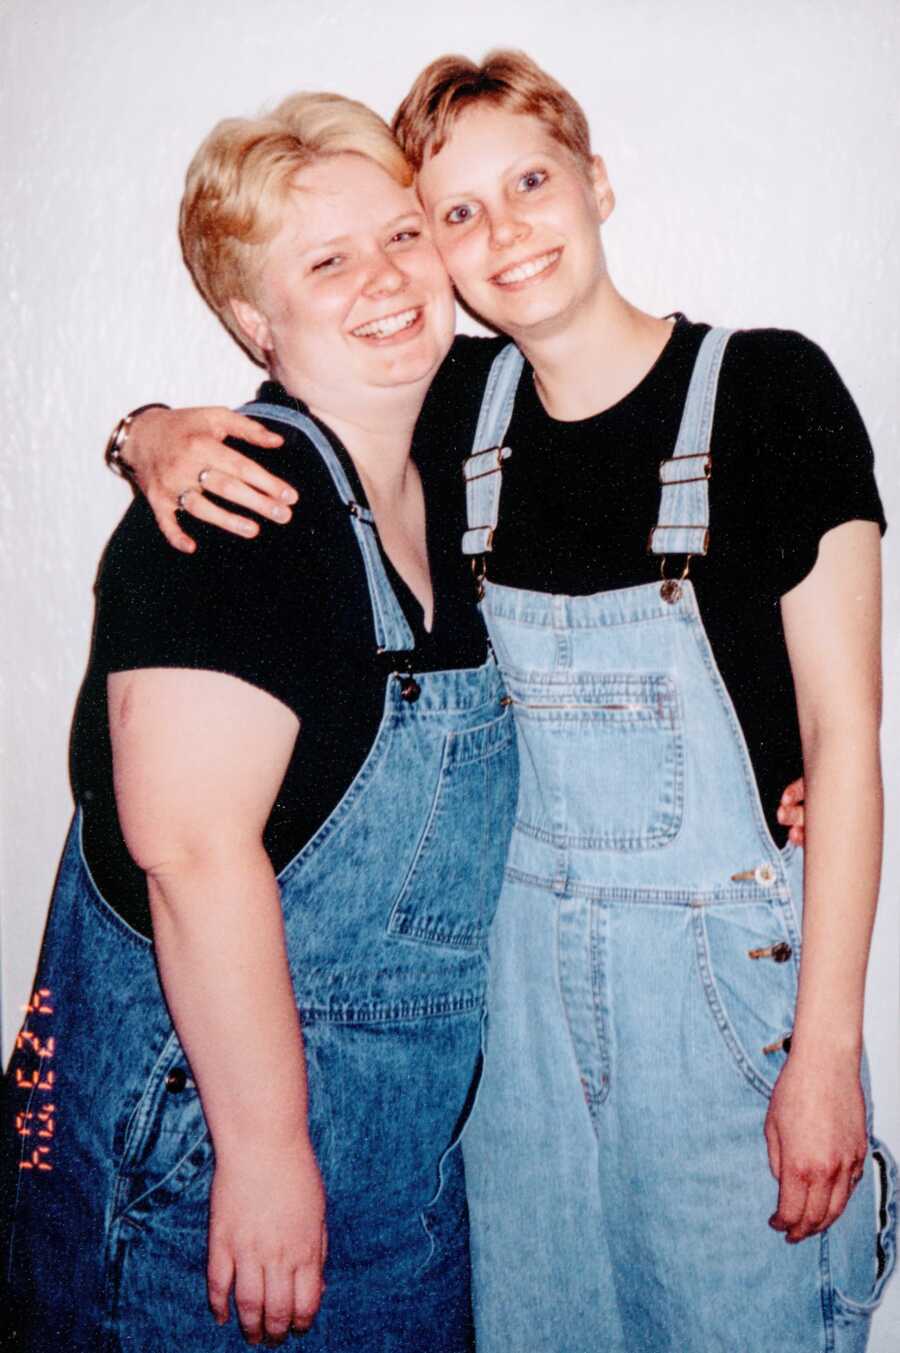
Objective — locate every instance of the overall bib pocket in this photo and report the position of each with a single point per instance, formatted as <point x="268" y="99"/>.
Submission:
<point x="610" y="738"/>
<point x="450" y="891"/>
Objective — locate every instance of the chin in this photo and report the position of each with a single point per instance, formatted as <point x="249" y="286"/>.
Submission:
<point x="409" y="368"/>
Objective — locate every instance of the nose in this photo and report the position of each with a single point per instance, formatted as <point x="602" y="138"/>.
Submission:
<point x="507" y="229"/>
<point x="385" y="277"/>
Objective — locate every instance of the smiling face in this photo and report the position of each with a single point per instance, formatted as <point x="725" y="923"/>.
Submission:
<point x="351" y="296"/>
<point x="516" y="218"/>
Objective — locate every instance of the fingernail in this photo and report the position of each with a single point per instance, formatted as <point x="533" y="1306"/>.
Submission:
<point x="247" y="528"/>
<point x="280" y="514"/>
<point x="289" y="495"/>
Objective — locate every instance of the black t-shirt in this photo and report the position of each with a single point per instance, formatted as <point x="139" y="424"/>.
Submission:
<point x="288" y="612"/>
<point x="791" y="460"/>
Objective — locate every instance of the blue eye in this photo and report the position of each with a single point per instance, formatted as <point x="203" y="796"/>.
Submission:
<point x="460" y="215"/>
<point x="533" y="179"/>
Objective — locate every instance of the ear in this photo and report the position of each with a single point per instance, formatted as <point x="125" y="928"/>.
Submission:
<point x="601" y="187"/>
<point x="252" y="323"/>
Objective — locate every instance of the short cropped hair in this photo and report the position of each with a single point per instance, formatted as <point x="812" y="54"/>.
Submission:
<point x="239" y="179"/>
<point x="505" y="79"/>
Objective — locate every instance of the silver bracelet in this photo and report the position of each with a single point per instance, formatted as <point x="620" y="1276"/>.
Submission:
<point x="119" y="436"/>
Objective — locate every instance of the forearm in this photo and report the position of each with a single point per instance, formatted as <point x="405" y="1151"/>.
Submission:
<point x="842" y="871"/>
<point x="220" y="946"/>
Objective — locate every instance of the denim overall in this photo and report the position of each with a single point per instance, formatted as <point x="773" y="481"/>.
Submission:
<point x="386" y="914"/>
<point x="643" y="977"/>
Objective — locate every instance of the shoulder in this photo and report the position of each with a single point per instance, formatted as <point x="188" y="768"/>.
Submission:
<point x="785" y="366"/>
<point x="465" y="368"/>
<point x="450" y="412"/>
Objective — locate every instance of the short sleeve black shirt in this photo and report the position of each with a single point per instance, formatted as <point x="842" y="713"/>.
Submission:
<point x="288" y="612"/>
<point x="791" y="460"/>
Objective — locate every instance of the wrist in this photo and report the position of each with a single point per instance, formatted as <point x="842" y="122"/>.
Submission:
<point x="837" y="1052"/>
<point x="267" y="1145"/>
<point x="114" y="453"/>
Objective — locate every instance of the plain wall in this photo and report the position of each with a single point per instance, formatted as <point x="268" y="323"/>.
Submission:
<point x="754" y="151"/>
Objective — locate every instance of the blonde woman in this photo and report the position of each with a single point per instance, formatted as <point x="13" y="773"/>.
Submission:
<point x="266" y="955"/>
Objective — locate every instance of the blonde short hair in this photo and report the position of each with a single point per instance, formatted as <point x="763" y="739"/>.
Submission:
<point x="505" y="79"/>
<point x="239" y="178"/>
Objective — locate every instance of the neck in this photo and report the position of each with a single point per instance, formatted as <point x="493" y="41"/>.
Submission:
<point x="588" y="360"/>
<point x="375" y="425"/>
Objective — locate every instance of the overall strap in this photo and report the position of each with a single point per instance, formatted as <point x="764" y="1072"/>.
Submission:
<point x="482" y="470"/>
<point x="683" y="522"/>
<point x="392" y="633"/>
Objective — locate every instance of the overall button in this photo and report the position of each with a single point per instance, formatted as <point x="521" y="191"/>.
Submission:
<point x="176" y="1080"/>
<point x="410" y="690"/>
<point x="764" y="875"/>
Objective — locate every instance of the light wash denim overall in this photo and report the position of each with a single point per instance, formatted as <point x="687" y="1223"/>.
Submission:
<point x="386" y="913"/>
<point x="643" y="976"/>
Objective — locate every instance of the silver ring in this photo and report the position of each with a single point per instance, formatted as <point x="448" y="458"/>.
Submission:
<point x="202" y="476"/>
<point x="181" y="497"/>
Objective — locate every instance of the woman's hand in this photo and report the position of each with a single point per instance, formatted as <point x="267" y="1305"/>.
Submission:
<point x="267" y="1240"/>
<point x="790" y="811"/>
<point x="816" y="1137"/>
<point x="168" y="449"/>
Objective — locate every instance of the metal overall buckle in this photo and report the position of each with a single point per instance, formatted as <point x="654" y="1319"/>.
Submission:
<point x="671" y="589"/>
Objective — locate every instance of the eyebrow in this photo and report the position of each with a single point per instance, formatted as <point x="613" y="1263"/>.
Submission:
<point x="528" y="158"/>
<point x="340" y="240"/>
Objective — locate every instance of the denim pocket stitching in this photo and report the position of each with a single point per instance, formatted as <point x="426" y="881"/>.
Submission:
<point x="885" y="1236"/>
<point x="720" y="1014"/>
<point x="451" y="759"/>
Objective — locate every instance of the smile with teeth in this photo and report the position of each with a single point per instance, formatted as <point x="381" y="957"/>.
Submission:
<point x="523" y="272"/>
<point x="388" y="325"/>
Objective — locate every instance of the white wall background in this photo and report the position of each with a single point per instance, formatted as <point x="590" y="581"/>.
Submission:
<point x="754" y="148"/>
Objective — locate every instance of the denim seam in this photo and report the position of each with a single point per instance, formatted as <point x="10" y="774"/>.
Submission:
<point x="400" y="1011"/>
<point x="750" y="894"/>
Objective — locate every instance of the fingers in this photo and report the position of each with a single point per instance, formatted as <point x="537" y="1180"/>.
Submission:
<point x="810" y="1203"/>
<point x="219" y="1277"/>
<point x="246" y="429"/>
<point x="279" y="1304"/>
<point x="791" y="812"/>
<point x="196" y="504"/>
<point x="248" y="471"/>
<point x="167" y="521"/>
<point x="308" y="1289"/>
<point x="249" y="1298"/>
<point x="242" y="493"/>
<point x="792" y="1191"/>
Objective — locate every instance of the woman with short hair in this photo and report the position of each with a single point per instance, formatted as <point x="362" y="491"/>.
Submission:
<point x="264" y="967"/>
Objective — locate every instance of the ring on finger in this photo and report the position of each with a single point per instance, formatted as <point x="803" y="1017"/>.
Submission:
<point x="204" y="475"/>
<point x="181" y="500"/>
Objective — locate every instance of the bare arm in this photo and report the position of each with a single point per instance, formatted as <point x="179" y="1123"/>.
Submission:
<point x="198" y="760"/>
<point x="167" y="449"/>
<point x="816" y="1124"/>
